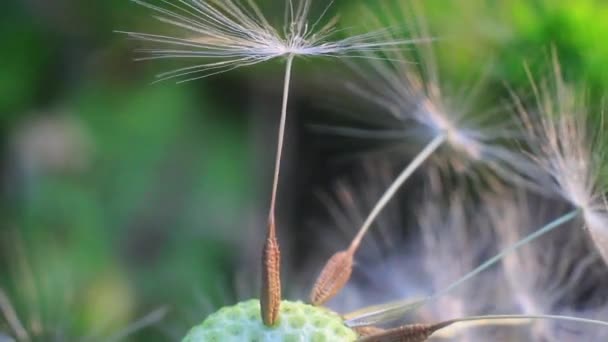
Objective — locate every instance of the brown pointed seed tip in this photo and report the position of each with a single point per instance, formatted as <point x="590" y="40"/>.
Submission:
<point x="368" y="331"/>
<point x="333" y="277"/>
<point x="270" y="299"/>
<point x="406" y="333"/>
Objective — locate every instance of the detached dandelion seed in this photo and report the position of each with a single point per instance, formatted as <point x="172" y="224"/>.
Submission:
<point x="417" y="105"/>
<point x="445" y="230"/>
<point x="412" y="95"/>
<point x="570" y="152"/>
<point x="223" y="35"/>
<point x="229" y="34"/>
<point x="338" y="269"/>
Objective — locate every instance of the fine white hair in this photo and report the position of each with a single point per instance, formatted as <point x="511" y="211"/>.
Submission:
<point x="223" y="35"/>
<point x="565" y="143"/>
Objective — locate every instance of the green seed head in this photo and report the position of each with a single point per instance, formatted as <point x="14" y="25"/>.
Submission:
<point x="297" y="322"/>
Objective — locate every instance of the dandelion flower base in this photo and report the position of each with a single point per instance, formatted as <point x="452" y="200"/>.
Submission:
<point x="297" y="322"/>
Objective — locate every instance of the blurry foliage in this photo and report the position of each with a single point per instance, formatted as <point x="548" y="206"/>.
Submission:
<point x="146" y="220"/>
<point x="139" y="219"/>
<point x="23" y="59"/>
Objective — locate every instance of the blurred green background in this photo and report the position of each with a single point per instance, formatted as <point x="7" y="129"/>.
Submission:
<point x="122" y="199"/>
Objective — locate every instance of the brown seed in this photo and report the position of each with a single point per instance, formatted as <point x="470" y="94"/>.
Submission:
<point x="270" y="299"/>
<point x="333" y="278"/>
<point x="406" y="333"/>
<point x="368" y="331"/>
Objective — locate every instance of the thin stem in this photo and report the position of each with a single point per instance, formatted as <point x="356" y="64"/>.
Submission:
<point x="390" y="192"/>
<point x="270" y="298"/>
<point x="277" y="167"/>
<point x="528" y="317"/>
<point x="11" y="317"/>
<point x="338" y="269"/>
<point x="379" y="314"/>
<point x="148" y="320"/>
<point x="512" y="248"/>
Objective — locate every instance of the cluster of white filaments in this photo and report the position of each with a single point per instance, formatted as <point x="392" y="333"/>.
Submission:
<point x="439" y="121"/>
<point x="569" y="160"/>
<point x="411" y="95"/>
<point x="228" y="34"/>
<point x="573" y="168"/>
<point x="567" y="150"/>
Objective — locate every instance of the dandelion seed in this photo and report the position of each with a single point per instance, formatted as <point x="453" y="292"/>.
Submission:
<point x="337" y="271"/>
<point x="571" y="152"/>
<point x="412" y="95"/>
<point x="473" y="139"/>
<point x="229" y="34"/>
<point x="407" y="333"/>
<point x="416" y="102"/>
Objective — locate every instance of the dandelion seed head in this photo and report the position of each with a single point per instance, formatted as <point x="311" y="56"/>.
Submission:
<point x="416" y="109"/>
<point x="568" y="157"/>
<point x="228" y="34"/>
<point x="569" y="150"/>
<point x="440" y="123"/>
<point x="410" y="103"/>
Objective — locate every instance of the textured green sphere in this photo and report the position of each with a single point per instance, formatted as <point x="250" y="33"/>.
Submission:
<point x="297" y="322"/>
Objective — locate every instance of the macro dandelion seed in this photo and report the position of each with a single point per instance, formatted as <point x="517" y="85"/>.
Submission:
<point x="570" y="152"/>
<point x="446" y="233"/>
<point x="223" y="35"/>
<point x="416" y="104"/>
<point x="412" y="96"/>
<point x="229" y="34"/>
